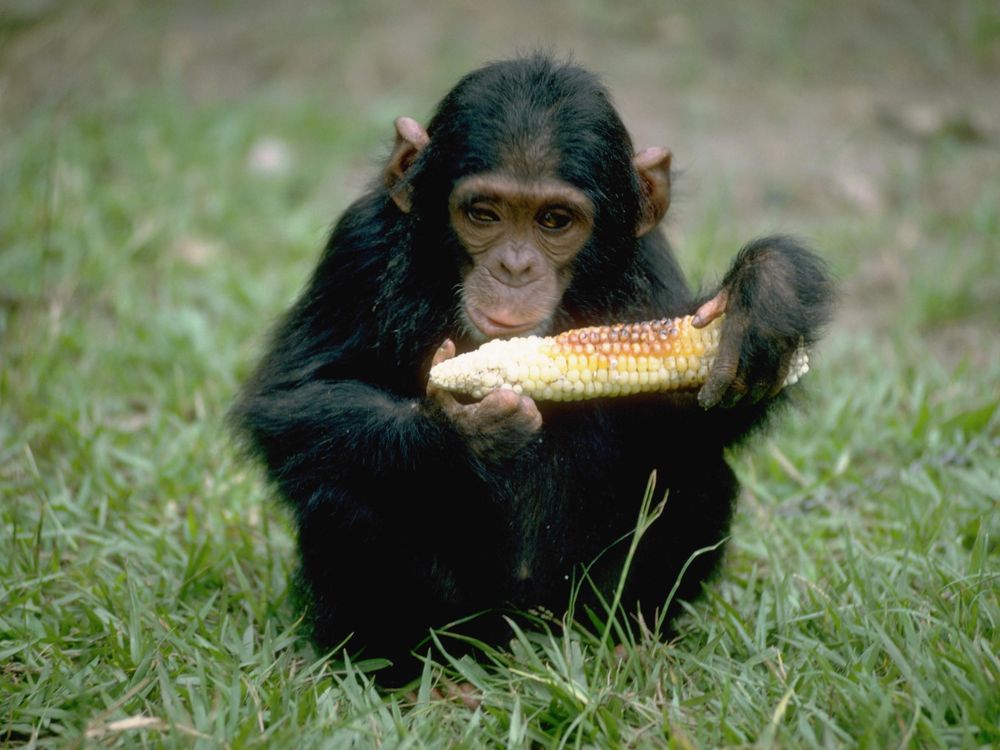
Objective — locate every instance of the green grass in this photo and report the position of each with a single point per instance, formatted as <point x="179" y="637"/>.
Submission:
<point x="144" y="567"/>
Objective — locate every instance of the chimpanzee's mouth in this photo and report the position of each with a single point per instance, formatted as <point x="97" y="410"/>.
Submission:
<point x="492" y="327"/>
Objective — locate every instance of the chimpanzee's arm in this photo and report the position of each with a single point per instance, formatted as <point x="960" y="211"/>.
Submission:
<point x="345" y="433"/>
<point x="776" y="296"/>
<point x="356" y="462"/>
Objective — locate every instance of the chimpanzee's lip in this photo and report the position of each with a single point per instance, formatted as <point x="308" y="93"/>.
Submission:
<point x="494" y="328"/>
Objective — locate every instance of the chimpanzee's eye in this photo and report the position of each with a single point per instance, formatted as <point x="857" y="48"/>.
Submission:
<point x="481" y="214"/>
<point x="554" y="219"/>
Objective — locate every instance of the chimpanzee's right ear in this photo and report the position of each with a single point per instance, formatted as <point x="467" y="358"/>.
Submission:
<point x="410" y="141"/>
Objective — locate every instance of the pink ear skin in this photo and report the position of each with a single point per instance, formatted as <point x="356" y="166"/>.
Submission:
<point x="653" y="166"/>
<point x="411" y="139"/>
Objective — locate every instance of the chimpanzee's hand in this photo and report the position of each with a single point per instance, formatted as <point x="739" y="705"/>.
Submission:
<point x="775" y="296"/>
<point x="495" y="428"/>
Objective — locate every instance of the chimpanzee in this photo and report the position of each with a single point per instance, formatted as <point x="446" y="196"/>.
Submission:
<point x="521" y="209"/>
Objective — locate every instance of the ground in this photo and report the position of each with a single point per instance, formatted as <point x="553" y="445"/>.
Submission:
<point x="167" y="174"/>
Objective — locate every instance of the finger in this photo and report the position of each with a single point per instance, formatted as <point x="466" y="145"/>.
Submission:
<point x="737" y="390"/>
<point x="715" y="387"/>
<point x="444" y="399"/>
<point x="501" y="402"/>
<point x="530" y="409"/>
<point x="779" y="381"/>
<point x="711" y="309"/>
<point x="727" y="362"/>
<point x="769" y="383"/>
<point x="505" y="409"/>
<point x="722" y="375"/>
<point x="445" y="351"/>
<point x="772" y="379"/>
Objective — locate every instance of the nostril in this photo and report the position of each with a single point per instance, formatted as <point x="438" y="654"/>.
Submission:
<point x="518" y="264"/>
<point x="516" y="269"/>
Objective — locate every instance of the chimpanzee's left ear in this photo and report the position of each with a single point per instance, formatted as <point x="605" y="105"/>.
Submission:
<point x="410" y="141"/>
<point x="653" y="166"/>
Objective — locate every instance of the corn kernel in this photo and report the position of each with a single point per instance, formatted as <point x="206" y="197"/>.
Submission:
<point x="593" y="362"/>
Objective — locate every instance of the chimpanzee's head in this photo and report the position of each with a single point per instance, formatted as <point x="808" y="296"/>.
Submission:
<point x="530" y="169"/>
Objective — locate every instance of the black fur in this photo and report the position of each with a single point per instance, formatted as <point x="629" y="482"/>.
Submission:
<point x="401" y="527"/>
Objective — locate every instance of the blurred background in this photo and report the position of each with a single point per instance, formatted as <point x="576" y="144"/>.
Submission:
<point x="168" y="173"/>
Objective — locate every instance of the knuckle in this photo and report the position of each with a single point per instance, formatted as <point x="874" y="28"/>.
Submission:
<point x="503" y="400"/>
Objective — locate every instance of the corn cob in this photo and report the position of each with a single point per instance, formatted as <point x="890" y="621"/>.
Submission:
<point x="617" y="360"/>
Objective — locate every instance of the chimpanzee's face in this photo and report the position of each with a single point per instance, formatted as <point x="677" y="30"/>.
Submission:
<point x="521" y="236"/>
